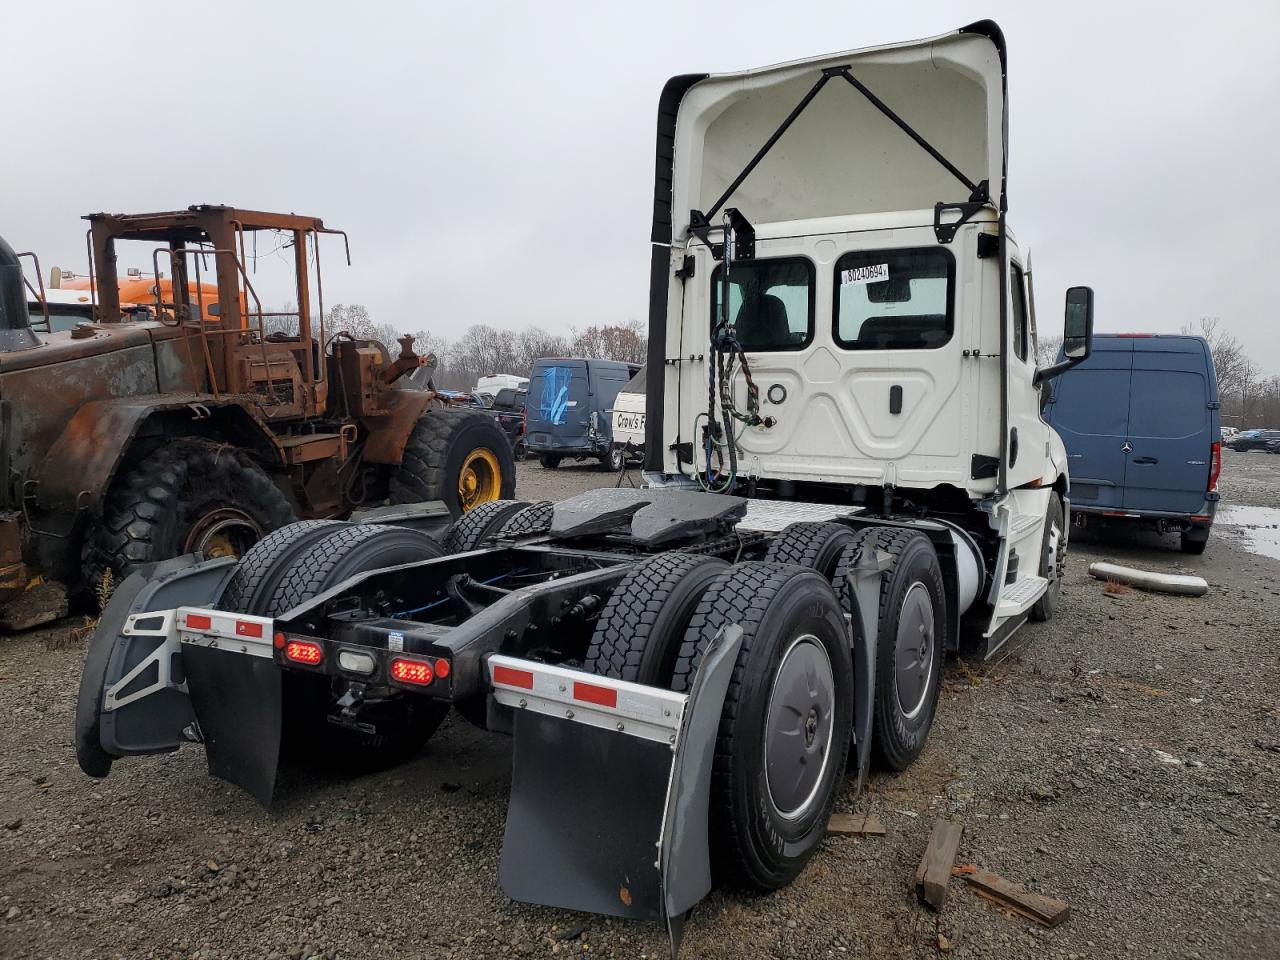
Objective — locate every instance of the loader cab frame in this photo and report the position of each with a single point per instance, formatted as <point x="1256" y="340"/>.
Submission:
<point x="230" y="346"/>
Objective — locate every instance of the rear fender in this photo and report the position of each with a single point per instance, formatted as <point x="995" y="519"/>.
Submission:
<point x="388" y="432"/>
<point x="863" y="594"/>
<point x="81" y="463"/>
<point x="133" y="693"/>
<point x="150" y="683"/>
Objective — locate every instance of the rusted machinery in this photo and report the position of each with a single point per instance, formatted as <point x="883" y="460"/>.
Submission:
<point x="198" y="427"/>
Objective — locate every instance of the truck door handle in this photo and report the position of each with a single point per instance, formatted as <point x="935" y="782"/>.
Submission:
<point x="1145" y="460"/>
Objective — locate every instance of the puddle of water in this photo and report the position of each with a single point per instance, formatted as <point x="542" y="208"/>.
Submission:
<point x="1260" y="527"/>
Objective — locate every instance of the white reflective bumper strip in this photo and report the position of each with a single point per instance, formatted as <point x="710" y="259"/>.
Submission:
<point x="233" y="632"/>
<point x="641" y="711"/>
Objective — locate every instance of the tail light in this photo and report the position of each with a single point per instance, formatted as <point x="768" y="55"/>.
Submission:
<point x="304" y="652"/>
<point x="417" y="672"/>
<point x="1215" y="466"/>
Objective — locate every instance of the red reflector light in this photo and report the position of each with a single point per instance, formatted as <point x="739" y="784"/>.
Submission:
<point x="245" y="628"/>
<point x="590" y="693"/>
<point x="279" y="641"/>
<point x="198" y="621"/>
<point x="513" y="678"/>
<point x="411" y="671"/>
<point x="303" y="651"/>
<point x="442" y="668"/>
<point x="1215" y="466"/>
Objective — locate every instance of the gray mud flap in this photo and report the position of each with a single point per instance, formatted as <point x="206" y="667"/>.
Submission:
<point x="610" y="788"/>
<point x="141" y="690"/>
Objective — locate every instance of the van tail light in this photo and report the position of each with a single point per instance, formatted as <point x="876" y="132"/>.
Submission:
<point x="1215" y="466"/>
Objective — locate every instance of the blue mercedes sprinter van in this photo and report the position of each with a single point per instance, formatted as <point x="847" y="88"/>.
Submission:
<point x="568" y="410"/>
<point x="1140" y="421"/>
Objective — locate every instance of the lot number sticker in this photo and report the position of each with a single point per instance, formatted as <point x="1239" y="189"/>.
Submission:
<point x="871" y="273"/>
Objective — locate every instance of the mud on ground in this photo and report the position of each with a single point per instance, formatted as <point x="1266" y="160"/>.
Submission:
<point x="1124" y="757"/>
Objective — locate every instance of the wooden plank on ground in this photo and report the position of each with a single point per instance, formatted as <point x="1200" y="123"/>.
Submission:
<point x="1034" y="906"/>
<point x="935" y="866"/>
<point x="854" y="825"/>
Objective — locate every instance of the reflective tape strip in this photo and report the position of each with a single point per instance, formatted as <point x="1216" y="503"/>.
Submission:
<point x="233" y="632"/>
<point x="631" y="708"/>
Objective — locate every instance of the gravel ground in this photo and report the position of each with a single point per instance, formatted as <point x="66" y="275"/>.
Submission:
<point x="1125" y="757"/>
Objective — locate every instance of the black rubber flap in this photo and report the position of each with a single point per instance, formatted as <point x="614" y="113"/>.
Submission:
<point x="153" y="723"/>
<point x="237" y="701"/>
<point x="649" y="516"/>
<point x="584" y="816"/>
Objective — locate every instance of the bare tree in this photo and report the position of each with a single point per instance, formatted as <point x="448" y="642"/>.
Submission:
<point x="626" y="342"/>
<point x="1047" y="350"/>
<point x="1236" y="373"/>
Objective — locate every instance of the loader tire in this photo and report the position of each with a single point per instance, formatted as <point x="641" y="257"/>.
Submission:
<point x="459" y="456"/>
<point x="789" y="708"/>
<point x="533" y="519"/>
<point x="191" y="495"/>
<point x="476" y="526"/>
<point x="911" y="629"/>
<point x="642" y="626"/>
<point x="259" y="571"/>
<point x="404" y="721"/>
<point x="814" y="545"/>
<point x="1053" y="559"/>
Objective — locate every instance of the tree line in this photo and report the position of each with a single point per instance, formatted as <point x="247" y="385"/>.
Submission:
<point x="483" y="349"/>
<point x="1250" y="396"/>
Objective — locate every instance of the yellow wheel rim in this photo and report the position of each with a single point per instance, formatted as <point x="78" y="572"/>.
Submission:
<point x="480" y="480"/>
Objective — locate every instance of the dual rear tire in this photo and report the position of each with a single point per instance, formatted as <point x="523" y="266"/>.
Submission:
<point x="777" y="769"/>
<point x="787" y="721"/>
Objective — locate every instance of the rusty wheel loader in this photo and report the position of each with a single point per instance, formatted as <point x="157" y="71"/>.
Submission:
<point x="193" y="427"/>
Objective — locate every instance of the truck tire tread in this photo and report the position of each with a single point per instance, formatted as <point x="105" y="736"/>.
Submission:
<point x="652" y="601"/>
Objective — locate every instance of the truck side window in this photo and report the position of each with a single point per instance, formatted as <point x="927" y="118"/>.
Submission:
<point x="1021" y="335"/>
<point x="894" y="299"/>
<point x="770" y="303"/>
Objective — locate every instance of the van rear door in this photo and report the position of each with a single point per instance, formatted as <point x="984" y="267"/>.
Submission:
<point x="1170" y="426"/>
<point x="559" y="403"/>
<point x="1090" y="411"/>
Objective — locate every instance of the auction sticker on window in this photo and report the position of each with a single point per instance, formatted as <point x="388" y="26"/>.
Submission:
<point x="871" y="273"/>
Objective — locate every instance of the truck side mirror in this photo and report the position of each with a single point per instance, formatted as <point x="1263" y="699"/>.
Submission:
<point x="1077" y="334"/>
<point x="1077" y="329"/>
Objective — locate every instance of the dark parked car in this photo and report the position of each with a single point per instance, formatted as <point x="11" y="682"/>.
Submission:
<point x="508" y="409"/>
<point x="1254" y="440"/>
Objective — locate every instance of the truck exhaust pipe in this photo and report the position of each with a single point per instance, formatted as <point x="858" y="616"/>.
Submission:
<point x="15" y="319"/>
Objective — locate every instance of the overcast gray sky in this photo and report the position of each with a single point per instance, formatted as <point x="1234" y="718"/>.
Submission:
<point x="494" y="163"/>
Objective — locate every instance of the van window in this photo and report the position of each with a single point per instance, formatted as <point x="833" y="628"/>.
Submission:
<point x="894" y="299"/>
<point x="770" y="303"/>
<point x="1021" y="324"/>
<point x="1175" y="404"/>
<point x="555" y="391"/>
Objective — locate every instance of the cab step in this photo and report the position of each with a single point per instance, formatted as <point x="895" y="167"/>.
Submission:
<point x="1020" y="597"/>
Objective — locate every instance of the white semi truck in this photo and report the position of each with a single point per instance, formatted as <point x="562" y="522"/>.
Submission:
<point x="848" y="477"/>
